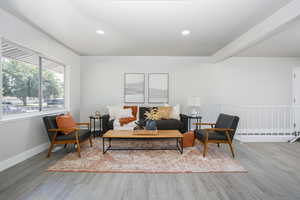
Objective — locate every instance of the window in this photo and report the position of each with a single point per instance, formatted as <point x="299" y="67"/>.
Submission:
<point x="53" y="75"/>
<point x="20" y="80"/>
<point x="30" y="83"/>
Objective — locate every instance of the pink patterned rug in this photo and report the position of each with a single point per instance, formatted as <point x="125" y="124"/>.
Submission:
<point x="148" y="161"/>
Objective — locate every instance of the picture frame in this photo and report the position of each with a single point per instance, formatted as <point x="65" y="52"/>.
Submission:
<point x="158" y="88"/>
<point x="134" y="88"/>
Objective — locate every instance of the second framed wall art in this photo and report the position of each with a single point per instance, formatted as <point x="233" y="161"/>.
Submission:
<point x="158" y="88"/>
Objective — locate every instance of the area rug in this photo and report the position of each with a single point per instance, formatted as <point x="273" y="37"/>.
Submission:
<point x="218" y="160"/>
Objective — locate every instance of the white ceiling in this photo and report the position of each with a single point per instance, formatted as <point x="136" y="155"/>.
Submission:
<point x="140" y="27"/>
<point x="286" y="43"/>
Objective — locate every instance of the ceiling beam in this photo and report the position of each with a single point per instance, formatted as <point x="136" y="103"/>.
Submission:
<point x="261" y="31"/>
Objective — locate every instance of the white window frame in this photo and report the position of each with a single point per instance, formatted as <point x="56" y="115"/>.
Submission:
<point x="41" y="112"/>
<point x="1" y="95"/>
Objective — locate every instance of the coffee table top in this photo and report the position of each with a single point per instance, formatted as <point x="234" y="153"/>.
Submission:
<point x="142" y="134"/>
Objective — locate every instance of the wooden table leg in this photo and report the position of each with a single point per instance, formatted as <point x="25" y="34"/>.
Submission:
<point x="103" y="146"/>
<point x="181" y="144"/>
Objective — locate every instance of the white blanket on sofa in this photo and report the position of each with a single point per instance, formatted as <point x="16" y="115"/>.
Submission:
<point x="129" y="126"/>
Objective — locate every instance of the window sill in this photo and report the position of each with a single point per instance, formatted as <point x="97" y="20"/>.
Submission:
<point x="30" y="115"/>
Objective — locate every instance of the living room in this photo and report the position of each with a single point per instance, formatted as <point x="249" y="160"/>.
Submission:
<point x="210" y="58"/>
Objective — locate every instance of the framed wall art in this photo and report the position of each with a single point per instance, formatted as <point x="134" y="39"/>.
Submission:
<point x="158" y="88"/>
<point x="134" y="88"/>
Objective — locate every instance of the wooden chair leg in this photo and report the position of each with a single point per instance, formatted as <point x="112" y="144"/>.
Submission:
<point x="78" y="143"/>
<point x="205" y="148"/>
<point x="51" y="145"/>
<point x="205" y="142"/>
<point x="50" y="150"/>
<point x="230" y="143"/>
<point x="231" y="149"/>
<point x="219" y="145"/>
<point x="91" y="142"/>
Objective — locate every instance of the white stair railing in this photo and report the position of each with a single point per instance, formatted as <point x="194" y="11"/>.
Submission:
<point x="258" y="122"/>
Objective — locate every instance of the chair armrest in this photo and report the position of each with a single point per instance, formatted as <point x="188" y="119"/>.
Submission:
<point x="83" y="124"/>
<point x="209" y="124"/>
<point x="219" y="129"/>
<point x="206" y="124"/>
<point x="61" y="130"/>
<point x="54" y="130"/>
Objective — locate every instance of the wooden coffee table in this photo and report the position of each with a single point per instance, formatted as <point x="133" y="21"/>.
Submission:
<point x="143" y="134"/>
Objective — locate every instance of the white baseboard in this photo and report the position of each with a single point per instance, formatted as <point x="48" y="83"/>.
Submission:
<point x="264" y="135"/>
<point x="263" y="138"/>
<point x="22" y="156"/>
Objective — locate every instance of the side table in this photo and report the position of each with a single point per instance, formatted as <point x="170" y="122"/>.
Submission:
<point x="94" y="119"/>
<point x="198" y="120"/>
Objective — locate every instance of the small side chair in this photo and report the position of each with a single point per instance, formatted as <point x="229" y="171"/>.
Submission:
<point x="57" y="137"/>
<point x="220" y="132"/>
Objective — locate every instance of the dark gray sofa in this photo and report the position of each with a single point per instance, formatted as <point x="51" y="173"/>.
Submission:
<point x="163" y="124"/>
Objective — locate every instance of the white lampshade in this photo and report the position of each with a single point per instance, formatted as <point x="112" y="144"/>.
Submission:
<point x="194" y="101"/>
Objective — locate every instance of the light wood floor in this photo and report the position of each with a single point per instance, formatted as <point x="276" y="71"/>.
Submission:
<point x="274" y="173"/>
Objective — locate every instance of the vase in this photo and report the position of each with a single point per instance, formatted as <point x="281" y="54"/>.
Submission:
<point x="151" y="125"/>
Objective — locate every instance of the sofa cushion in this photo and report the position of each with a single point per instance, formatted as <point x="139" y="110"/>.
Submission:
<point x="169" y="124"/>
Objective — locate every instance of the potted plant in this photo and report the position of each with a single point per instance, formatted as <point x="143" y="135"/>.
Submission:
<point x="151" y="116"/>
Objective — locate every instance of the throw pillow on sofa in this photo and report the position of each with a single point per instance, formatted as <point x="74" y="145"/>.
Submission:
<point x="175" y="114"/>
<point x="165" y="112"/>
<point x="134" y="110"/>
<point x="125" y="113"/>
<point x="114" y="111"/>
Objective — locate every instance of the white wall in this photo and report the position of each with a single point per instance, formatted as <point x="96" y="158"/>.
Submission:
<point x="22" y="135"/>
<point x="103" y="79"/>
<point x="256" y="80"/>
<point x="239" y="81"/>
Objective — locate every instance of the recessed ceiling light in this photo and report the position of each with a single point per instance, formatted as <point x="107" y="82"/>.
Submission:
<point x="100" y="32"/>
<point x="185" y="32"/>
